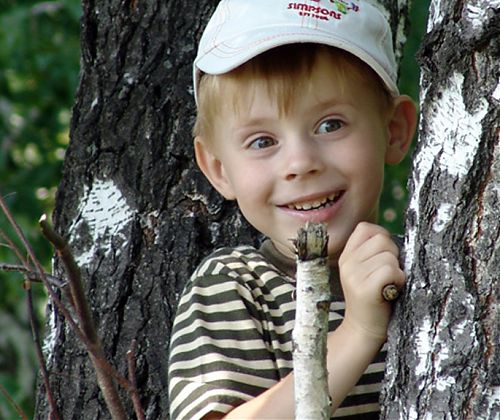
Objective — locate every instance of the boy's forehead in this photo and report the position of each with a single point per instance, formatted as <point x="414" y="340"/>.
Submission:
<point x="327" y="84"/>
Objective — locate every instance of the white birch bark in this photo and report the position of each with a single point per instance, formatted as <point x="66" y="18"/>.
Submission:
<point x="312" y="400"/>
<point x="443" y="342"/>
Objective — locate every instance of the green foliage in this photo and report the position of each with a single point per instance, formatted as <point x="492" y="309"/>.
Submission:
<point x="39" y="61"/>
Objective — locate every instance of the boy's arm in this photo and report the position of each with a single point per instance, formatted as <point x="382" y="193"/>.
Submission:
<point x="350" y="353"/>
<point x="369" y="262"/>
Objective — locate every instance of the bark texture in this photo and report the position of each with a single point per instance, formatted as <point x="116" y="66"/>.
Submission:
<point x="443" y="343"/>
<point x="312" y="399"/>
<point x="137" y="213"/>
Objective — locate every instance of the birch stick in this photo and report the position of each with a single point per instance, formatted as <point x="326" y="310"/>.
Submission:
<point x="312" y="400"/>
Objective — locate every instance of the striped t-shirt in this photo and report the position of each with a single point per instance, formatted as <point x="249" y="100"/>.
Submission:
<point x="232" y="338"/>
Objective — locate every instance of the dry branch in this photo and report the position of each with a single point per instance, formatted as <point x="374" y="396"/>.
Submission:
<point x="83" y="327"/>
<point x="106" y="374"/>
<point x="390" y="293"/>
<point x="131" y="362"/>
<point x="92" y="341"/>
<point x="32" y="275"/>
<point x="19" y="410"/>
<point x="54" y="412"/>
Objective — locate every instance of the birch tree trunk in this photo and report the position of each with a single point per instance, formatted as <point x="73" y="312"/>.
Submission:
<point x="137" y="213"/>
<point x="443" y="342"/>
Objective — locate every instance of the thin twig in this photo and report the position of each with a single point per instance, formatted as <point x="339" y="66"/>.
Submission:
<point x="13" y="247"/>
<point x="54" y="413"/>
<point x="38" y="349"/>
<point x="11" y="401"/>
<point x="105" y="372"/>
<point x="101" y="366"/>
<point x="74" y="279"/>
<point x="131" y="362"/>
<point x="31" y="275"/>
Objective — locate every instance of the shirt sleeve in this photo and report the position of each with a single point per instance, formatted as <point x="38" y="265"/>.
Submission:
<point x="218" y="356"/>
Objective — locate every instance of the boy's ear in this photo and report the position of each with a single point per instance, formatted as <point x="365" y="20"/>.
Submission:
<point x="402" y="125"/>
<point x="212" y="168"/>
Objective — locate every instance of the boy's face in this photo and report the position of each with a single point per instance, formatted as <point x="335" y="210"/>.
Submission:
<point x="322" y="161"/>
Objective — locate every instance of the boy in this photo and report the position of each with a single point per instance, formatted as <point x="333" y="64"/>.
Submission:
<point x="298" y="111"/>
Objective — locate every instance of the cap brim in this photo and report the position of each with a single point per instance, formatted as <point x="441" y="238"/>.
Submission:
<point x="222" y="58"/>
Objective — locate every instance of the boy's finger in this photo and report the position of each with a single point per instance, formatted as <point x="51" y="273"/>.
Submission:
<point x="364" y="232"/>
<point x="383" y="258"/>
<point x="391" y="279"/>
<point x="375" y="247"/>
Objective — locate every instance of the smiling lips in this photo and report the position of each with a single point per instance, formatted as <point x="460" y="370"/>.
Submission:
<point x="316" y="204"/>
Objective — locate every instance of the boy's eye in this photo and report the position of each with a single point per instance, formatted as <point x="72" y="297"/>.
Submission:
<point x="329" y="126"/>
<point x="262" y="143"/>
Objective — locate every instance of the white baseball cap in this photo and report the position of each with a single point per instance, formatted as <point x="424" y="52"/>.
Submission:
<point x="239" y="30"/>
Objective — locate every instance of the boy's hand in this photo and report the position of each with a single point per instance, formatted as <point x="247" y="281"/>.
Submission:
<point x="368" y="263"/>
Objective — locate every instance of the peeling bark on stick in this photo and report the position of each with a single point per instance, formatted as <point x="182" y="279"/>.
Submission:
<point x="312" y="400"/>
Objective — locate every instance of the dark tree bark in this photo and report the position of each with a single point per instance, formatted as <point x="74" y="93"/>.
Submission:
<point x="443" y="353"/>
<point x="137" y="213"/>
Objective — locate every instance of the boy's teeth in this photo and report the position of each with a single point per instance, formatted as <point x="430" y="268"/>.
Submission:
<point x="313" y="204"/>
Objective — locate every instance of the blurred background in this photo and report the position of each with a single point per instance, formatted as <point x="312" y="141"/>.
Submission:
<point x="39" y="65"/>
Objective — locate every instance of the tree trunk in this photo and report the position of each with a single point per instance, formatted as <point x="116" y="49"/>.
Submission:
<point x="443" y="342"/>
<point x="137" y="213"/>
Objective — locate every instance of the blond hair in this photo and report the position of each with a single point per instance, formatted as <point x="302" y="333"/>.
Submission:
<point x="284" y="71"/>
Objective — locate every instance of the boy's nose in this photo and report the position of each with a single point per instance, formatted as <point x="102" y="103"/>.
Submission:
<point x="302" y="158"/>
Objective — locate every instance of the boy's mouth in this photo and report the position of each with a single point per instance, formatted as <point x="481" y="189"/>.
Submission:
<point x="316" y="204"/>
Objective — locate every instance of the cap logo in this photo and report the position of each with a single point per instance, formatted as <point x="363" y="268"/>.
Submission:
<point x="341" y="7"/>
